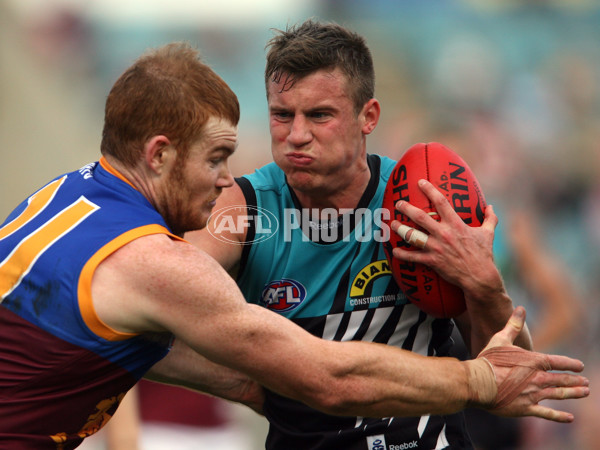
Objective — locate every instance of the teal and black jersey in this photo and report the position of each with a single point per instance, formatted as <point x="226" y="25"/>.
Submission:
<point x="329" y="274"/>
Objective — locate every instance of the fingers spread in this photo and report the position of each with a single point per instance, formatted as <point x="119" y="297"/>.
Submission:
<point x="564" y="393"/>
<point x="559" y="362"/>
<point x="561" y="379"/>
<point x="550" y="414"/>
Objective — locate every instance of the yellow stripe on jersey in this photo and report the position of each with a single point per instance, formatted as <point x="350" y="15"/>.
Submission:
<point x="36" y="204"/>
<point x="19" y="262"/>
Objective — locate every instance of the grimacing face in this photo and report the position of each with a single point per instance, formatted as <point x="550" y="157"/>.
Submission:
<point x="316" y="135"/>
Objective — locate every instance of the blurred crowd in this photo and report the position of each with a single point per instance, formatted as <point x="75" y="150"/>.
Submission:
<point x="512" y="86"/>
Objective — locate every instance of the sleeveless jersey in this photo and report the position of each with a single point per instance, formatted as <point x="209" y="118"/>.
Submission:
<point x="63" y="371"/>
<point x="332" y="278"/>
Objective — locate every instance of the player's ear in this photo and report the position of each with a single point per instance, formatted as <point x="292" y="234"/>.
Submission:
<point x="370" y="115"/>
<point x="158" y="153"/>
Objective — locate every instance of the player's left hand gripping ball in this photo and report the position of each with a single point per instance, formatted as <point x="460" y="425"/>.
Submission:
<point x="453" y="177"/>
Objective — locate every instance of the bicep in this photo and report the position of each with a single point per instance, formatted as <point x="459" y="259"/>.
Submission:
<point x="157" y="284"/>
<point x="173" y="286"/>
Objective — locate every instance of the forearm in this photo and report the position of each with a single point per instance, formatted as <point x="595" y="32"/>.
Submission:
<point x="350" y="378"/>
<point x="340" y="378"/>
<point x="376" y="380"/>
<point x="411" y="385"/>
<point x="488" y="309"/>
<point x="185" y="367"/>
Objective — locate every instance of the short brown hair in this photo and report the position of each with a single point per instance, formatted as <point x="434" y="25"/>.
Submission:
<point x="167" y="91"/>
<point x="311" y="46"/>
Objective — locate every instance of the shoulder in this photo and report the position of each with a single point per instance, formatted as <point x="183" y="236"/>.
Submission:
<point x="138" y="285"/>
<point x="381" y="167"/>
<point x="387" y="165"/>
<point x="154" y="260"/>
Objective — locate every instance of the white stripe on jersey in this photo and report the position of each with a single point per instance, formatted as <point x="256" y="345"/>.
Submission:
<point x="442" y="441"/>
<point x="422" y="425"/>
<point x="409" y="318"/>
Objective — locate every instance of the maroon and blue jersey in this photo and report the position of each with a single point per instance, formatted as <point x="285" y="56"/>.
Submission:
<point x="63" y="371"/>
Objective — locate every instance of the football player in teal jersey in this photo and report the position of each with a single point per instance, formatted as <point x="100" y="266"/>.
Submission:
<point x="322" y="266"/>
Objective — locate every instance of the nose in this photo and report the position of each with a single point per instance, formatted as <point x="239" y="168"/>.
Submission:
<point x="225" y="179"/>
<point x="300" y="133"/>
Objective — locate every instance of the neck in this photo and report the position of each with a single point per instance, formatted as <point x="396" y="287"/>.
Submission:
<point x="130" y="175"/>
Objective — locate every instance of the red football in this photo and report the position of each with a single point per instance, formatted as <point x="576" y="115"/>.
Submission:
<point x="453" y="177"/>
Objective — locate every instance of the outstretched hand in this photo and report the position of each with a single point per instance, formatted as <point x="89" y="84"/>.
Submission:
<point x="524" y="378"/>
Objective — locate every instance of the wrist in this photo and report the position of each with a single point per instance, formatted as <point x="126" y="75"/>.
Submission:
<point x="481" y="382"/>
<point x="485" y="284"/>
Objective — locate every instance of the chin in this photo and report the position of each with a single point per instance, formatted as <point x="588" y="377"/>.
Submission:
<point x="191" y="224"/>
<point x="202" y="225"/>
<point x="302" y="182"/>
<point x="202" y="222"/>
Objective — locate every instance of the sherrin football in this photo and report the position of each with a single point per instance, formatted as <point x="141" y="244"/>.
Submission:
<point x="452" y="176"/>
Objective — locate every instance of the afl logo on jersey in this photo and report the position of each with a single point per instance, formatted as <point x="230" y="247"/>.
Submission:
<point x="283" y="295"/>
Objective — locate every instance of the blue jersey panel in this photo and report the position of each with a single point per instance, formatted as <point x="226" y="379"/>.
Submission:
<point x="46" y="242"/>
